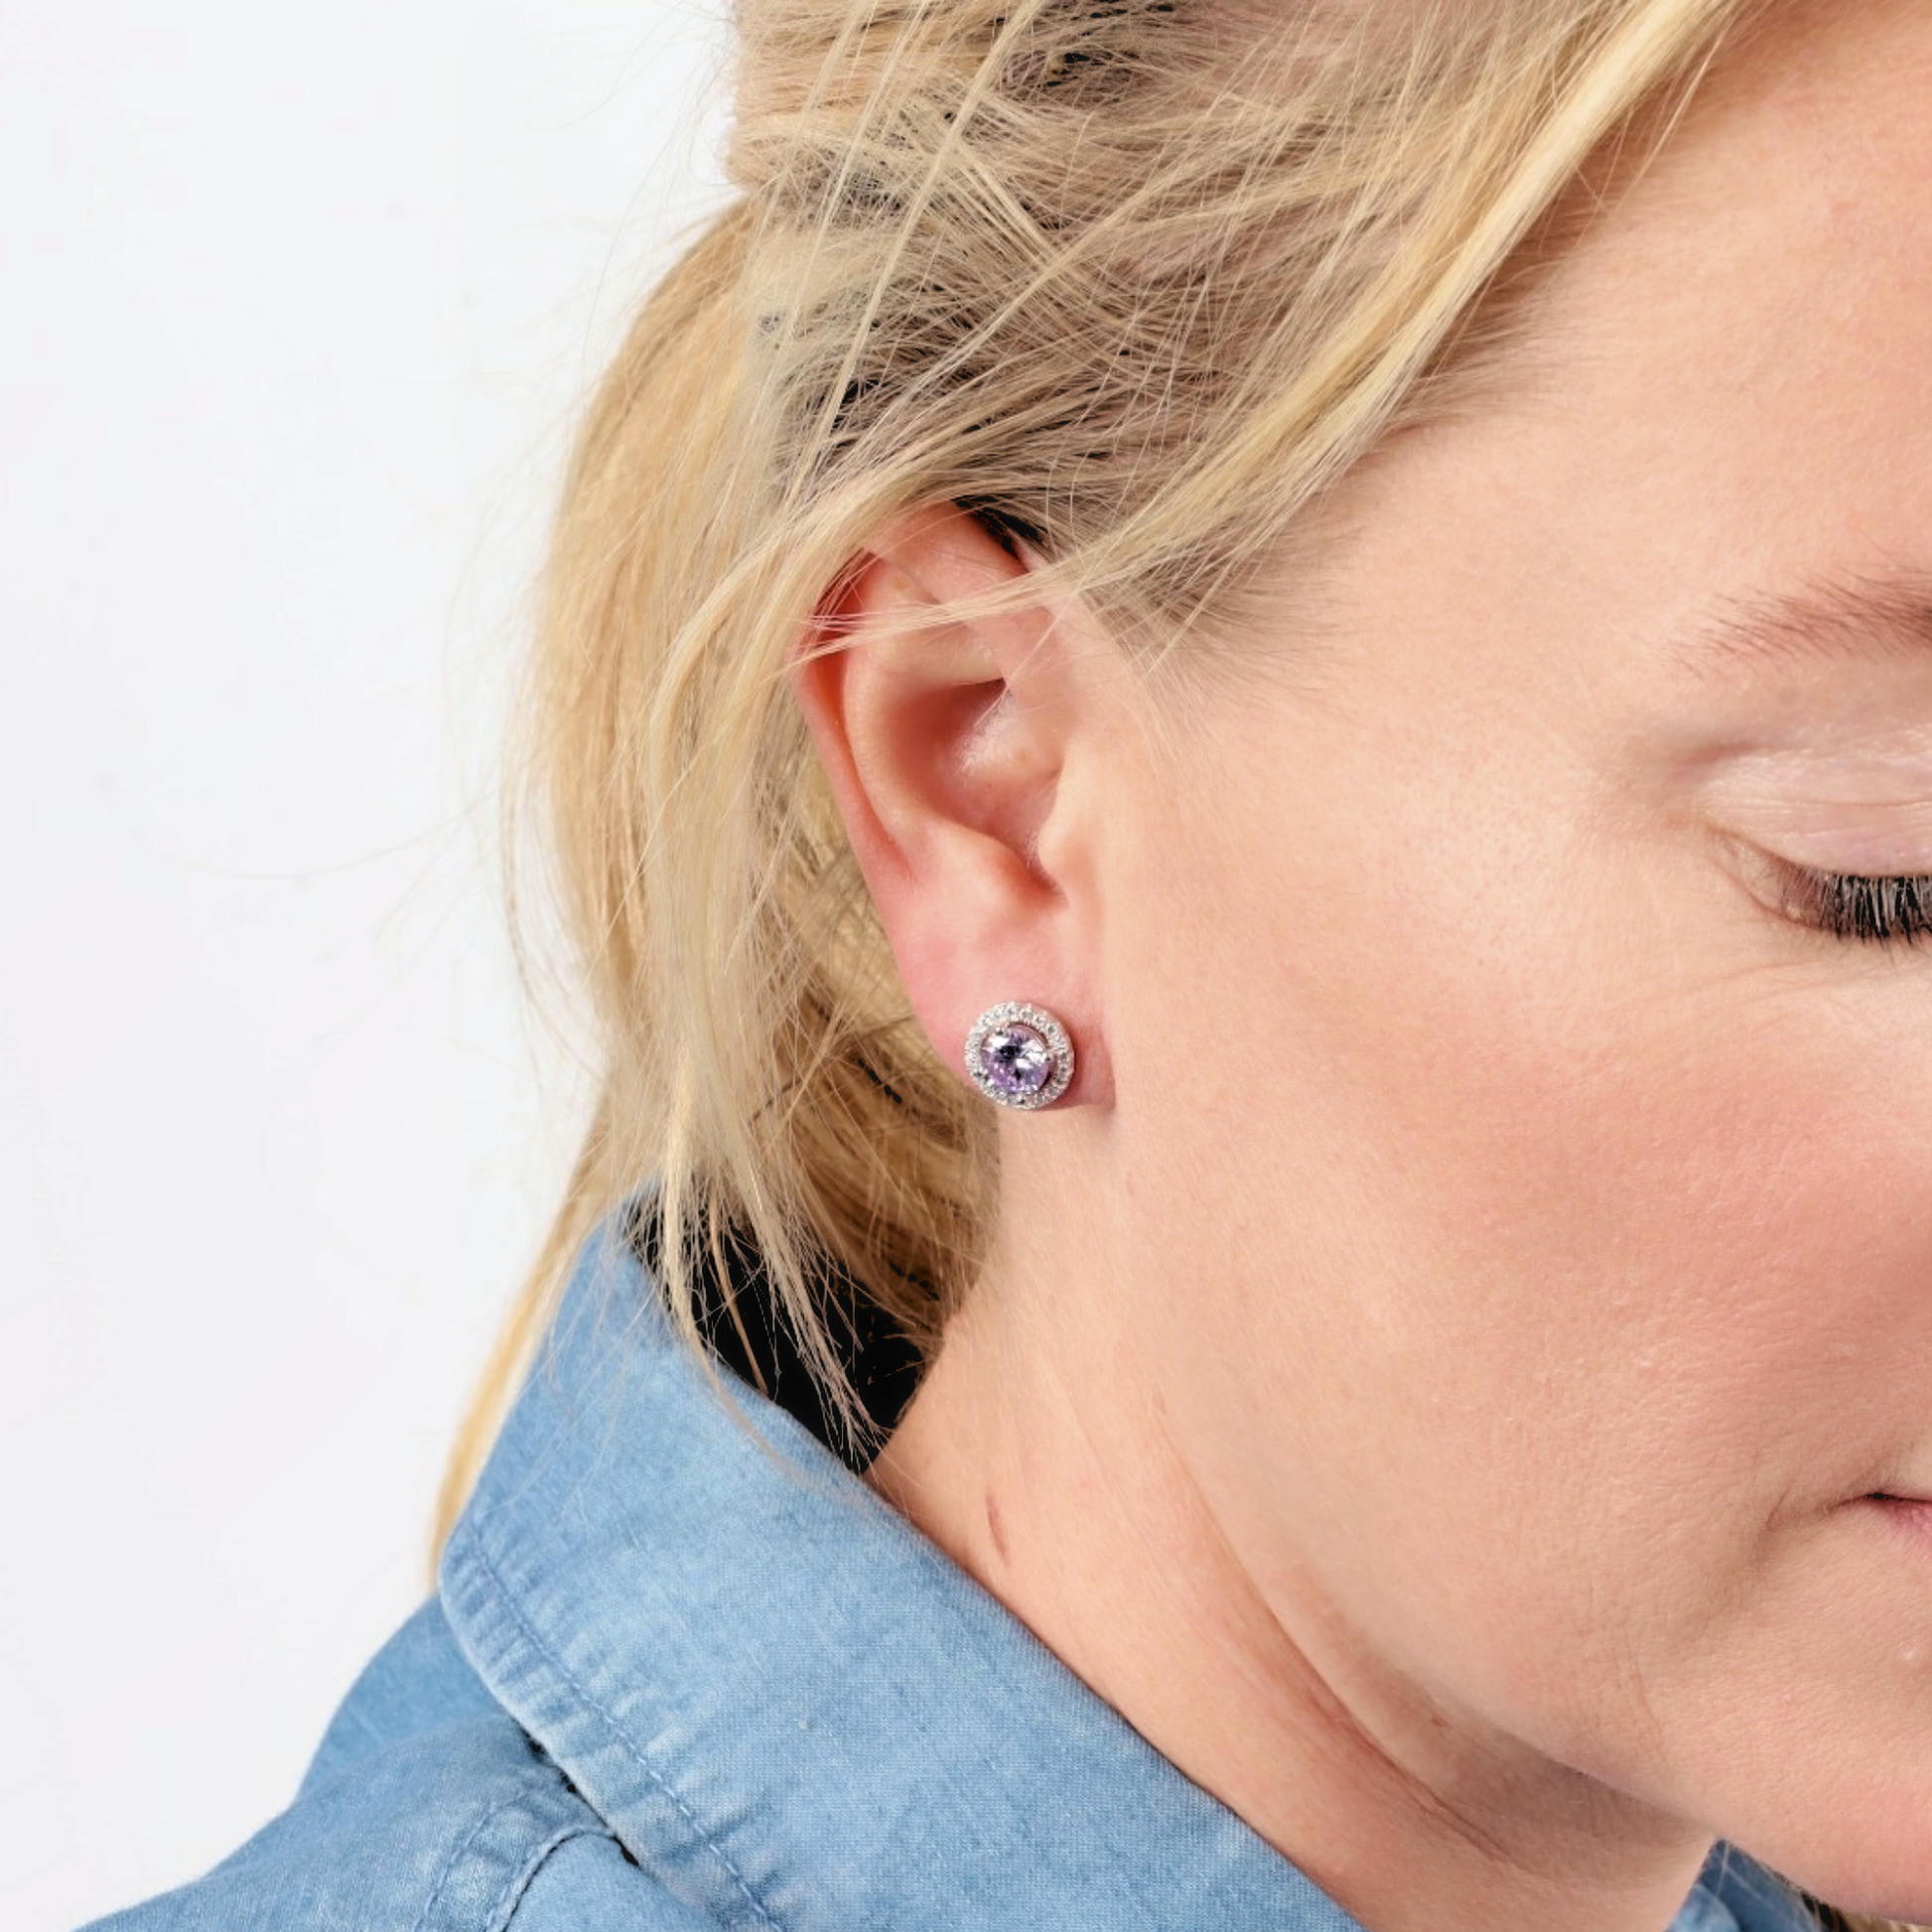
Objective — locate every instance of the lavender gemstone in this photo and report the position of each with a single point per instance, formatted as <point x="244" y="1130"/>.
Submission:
<point x="1016" y="1058"/>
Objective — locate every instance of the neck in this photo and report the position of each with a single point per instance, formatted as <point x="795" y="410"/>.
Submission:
<point x="1038" y="1455"/>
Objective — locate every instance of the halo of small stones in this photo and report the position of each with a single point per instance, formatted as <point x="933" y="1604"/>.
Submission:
<point x="1059" y="1048"/>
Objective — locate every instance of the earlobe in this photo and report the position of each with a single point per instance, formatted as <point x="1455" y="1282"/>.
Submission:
<point x="943" y="740"/>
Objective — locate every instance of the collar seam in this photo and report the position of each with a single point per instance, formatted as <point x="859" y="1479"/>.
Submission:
<point x="467" y="1552"/>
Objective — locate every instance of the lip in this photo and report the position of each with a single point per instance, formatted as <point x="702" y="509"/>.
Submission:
<point x="1910" y="1515"/>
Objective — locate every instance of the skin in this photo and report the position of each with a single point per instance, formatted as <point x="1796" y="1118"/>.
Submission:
<point x="1439" y="1369"/>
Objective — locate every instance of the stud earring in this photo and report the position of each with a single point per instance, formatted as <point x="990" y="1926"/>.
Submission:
<point x="1019" y="1056"/>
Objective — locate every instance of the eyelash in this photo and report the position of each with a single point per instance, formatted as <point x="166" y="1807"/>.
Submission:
<point x="1873" y="912"/>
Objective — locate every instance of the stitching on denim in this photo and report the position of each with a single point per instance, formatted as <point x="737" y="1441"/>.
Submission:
<point x="506" y="1906"/>
<point x="630" y="1749"/>
<point x="450" y="1864"/>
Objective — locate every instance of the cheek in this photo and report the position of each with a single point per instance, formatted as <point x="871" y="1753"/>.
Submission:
<point x="1571" y="1259"/>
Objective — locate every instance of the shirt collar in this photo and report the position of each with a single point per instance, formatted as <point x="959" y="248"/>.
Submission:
<point x="791" y="1707"/>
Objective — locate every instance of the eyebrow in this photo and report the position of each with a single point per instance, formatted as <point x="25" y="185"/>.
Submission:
<point x="1831" y="622"/>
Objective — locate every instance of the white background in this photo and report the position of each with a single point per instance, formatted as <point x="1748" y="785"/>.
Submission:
<point x="296" y="307"/>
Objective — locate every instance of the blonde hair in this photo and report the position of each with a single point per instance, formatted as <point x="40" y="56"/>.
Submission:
<point x="1137" y="279"/>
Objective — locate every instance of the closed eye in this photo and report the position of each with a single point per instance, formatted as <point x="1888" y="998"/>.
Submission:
<point x="1849" y="905"/>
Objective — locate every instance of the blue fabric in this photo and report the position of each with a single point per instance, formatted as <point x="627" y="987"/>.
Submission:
<point x="685" y="1671"/>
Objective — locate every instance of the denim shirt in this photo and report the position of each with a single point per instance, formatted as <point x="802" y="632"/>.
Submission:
<point x="682" y="1674"/>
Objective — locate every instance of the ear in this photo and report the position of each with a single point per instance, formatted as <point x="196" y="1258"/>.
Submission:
<point x="946" y="747"/>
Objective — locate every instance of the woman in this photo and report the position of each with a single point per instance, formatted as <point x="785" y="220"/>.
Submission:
<point x="1237" y="708"/>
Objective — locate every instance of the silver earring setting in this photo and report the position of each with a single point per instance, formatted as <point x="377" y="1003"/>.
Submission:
<point x="1019" y="1056"/>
